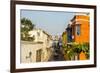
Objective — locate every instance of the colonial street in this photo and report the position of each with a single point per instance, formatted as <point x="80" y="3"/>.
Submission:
<point x="57" y="54"/>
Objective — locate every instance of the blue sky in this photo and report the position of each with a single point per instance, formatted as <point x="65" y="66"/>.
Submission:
<point x="52" y="22"/>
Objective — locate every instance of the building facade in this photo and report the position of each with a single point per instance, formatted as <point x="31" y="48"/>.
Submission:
<point x="80" y="28"/>
<point x="64" y="38"/>
<point x="38" y="50"/>
<point x="69" y="33"/>
<point x="78" y="33"/>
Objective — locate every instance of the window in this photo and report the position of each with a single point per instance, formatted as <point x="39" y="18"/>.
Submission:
<point x="77" y="29"/>
<point x="38" y="55"/>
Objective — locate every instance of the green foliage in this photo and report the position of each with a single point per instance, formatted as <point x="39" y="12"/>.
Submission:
<point x="86" y="49"/>
<point x="70" y="53"/>
<point x="26" y="26"/>
<point x="64" y="47"/>
<point x="75" y="49"/>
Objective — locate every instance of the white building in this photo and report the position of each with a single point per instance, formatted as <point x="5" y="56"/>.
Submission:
<point x="37" y="50"/>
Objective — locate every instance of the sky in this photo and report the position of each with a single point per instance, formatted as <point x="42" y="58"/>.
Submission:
<point x="53" y="22"/>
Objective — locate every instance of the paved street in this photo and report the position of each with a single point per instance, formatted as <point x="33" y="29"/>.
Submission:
<point x="56" y="54"/>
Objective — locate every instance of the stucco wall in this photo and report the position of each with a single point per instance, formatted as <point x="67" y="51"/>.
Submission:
<point x="27" y="47"/>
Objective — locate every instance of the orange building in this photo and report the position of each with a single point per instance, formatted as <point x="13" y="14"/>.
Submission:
<point x="78" y="31"/>
<point x="80" y="28"/>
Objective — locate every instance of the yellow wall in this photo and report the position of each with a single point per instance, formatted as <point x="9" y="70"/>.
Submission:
<point x="64" y="38"/>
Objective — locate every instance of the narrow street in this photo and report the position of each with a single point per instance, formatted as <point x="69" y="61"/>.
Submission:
<point x="57" y="54"/>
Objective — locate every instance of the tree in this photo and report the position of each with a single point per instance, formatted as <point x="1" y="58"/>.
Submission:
<point x="84" y="47"/>
<point x="26" y="26"/>
<point x="86" y="50"/>
<point x="73" y="50"/>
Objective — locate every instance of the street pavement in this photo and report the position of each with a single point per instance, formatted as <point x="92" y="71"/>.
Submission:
<point x="57" y="55"/>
